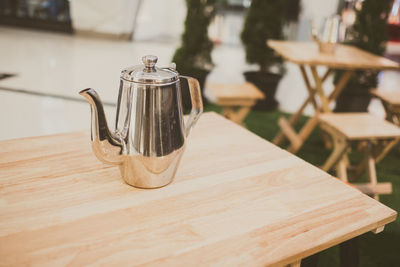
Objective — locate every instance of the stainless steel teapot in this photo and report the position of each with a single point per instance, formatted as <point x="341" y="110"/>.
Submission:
<point x="150" y="131"/>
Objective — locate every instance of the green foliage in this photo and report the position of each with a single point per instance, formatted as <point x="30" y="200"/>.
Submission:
<point x="370" y="28"/>
<point x="292" y="12"/>
<point x="370" y="34"/>
<point x="264" y="20"/>
<point x="195" y="51"/>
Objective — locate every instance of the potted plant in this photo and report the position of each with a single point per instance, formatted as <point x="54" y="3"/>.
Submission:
<point x="370" y="34"/>
<point x="264" y="20"/>
<point x="193" y="57"/>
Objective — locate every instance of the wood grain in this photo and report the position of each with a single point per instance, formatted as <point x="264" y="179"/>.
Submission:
<point x="236" y="200"/>
<point x="361" y="126"/>
<point x="345" y="56"/>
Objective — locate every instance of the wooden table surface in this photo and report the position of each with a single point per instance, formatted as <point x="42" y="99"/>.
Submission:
<point x="236" y="200"/>
<point x="361" y="126"/>
<point x="345" y="57"/>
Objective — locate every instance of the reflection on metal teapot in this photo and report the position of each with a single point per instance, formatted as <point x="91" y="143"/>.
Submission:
<point x="150" y="133"/>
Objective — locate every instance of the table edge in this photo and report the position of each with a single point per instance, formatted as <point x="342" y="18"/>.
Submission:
<point x="270" y="43"/>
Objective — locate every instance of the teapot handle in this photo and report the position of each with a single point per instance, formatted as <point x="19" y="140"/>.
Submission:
<point x="197" y="103"/>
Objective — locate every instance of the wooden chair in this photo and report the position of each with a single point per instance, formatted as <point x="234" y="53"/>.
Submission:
<point x="375" y="136"/>
<point x="391" y="103"/>
<point x="235" y="99"/>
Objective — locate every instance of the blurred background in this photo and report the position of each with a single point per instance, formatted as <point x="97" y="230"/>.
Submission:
<point x="51" y="49"/>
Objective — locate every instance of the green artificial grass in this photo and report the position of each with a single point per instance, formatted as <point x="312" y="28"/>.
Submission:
<point x="382" y="249"/>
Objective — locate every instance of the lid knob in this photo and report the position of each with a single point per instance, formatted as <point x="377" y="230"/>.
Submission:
<point x="149" y="61"/>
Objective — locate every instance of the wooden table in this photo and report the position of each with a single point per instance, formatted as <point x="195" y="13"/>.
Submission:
<point x="235" y="99"/>
<point x="377" y="137"/>
<point x="391" y="103"/>
<point x="307" y="55"/>
<point x="236" y="200"/>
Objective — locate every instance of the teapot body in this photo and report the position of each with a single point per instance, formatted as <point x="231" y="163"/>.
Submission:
<point x="150" y="124"/>
<point x="150" y="132"/>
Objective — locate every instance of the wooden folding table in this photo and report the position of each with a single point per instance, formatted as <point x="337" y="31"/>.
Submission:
<point x="307" y="55"/>
<point x="237" y="200"/>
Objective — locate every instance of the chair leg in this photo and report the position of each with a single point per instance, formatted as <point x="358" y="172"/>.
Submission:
<point x="327" y="140"/>
<point x="236" y="115"/>
<point x="339" y="149"/>
<point x="371" y="168"/>
<point x="304" y="133"/>
<point x="227" y="112"/>
<point x="341" y="170"/>
<point x="386" y="148"/>
<point x="280" y="137"/>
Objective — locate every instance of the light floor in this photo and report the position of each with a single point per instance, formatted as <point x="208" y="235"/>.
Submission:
<point x="53" y="68"/>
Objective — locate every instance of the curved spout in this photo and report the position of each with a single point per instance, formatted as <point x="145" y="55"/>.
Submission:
<point x="106" y="146"/>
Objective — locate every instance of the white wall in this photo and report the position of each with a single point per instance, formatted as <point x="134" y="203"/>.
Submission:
<point x="104" y="16"/>
<point x="317" y="8"/>
<point x="158" y="19"/>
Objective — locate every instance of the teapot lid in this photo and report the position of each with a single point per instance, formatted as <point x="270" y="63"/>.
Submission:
<point x="149" y="73"/>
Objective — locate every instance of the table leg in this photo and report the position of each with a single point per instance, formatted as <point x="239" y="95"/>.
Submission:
<point x="287" y="126"/>
<point x="378" y="230"/>
<point x="326" y="75"/>
<point x="338" y="152"/>
<point x="309" y="87"/>
<point x="327" y="140"/>
<point x="340" y="84"/>
<point x="318" y="82"/>
<point x="340" y="147"/>
<point x="336" y="91"/>
<point x="379" y="152"/>
<point x="320" y="90"/>
<point x="372" y="188"/>
<point x="359" y="169"/>
<point x="287" y="130"/>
